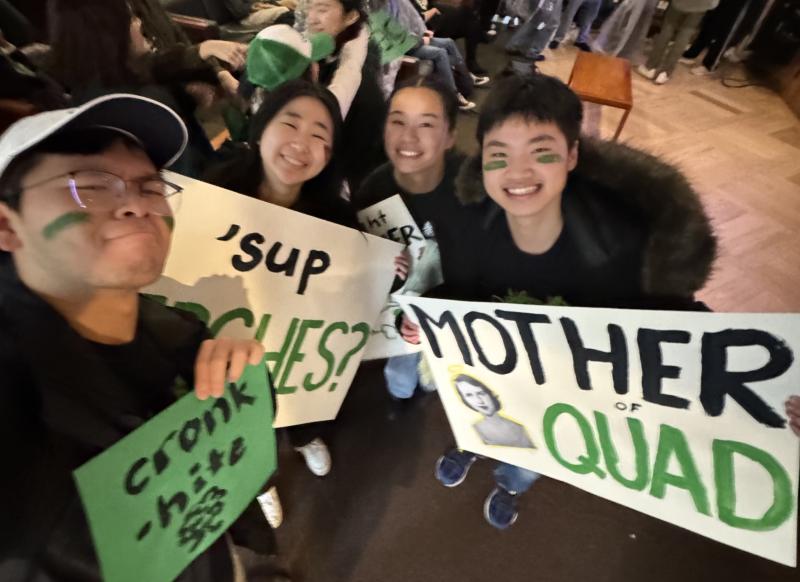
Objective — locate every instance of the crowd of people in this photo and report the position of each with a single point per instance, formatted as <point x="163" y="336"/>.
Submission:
<point x="85" y="223"/>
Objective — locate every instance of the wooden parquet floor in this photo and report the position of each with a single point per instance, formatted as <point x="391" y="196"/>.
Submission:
<point x="741" y="150"/>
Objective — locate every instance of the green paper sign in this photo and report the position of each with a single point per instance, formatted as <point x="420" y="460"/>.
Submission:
<point x="164" y="493"/>
<point x="393" y="40"/>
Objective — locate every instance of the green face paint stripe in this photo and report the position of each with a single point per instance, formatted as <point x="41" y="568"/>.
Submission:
<point x="495" y="165"/>
<point x="62" y="222"/>
<point x="549" y="158"/>
<point x="170" y="220"/>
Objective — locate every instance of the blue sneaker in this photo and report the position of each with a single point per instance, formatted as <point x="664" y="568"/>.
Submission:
<point x="500" y="508"/>
<point x="453" y="466"/>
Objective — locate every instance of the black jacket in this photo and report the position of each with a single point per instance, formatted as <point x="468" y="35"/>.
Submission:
<point x="617" y="198"/>
<point x="60" y="405"/>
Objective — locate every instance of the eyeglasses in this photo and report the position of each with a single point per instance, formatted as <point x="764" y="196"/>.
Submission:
<point x="98" y="191"/>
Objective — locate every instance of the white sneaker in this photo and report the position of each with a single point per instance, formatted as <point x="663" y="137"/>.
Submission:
<point x="464" y="104"/>
<point x="645" y="72"/>
<point x="479" y="80"/>
<point x="700" y="71"/>
<point x="271" y="506"/>
<point x="317" y="456"/>
<point x="662" y="78"/>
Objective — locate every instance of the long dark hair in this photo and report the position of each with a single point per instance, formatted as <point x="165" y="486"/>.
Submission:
<point x="91" y="43"/>
<point x="351" y="31"/>
<point x="245" y="172"/>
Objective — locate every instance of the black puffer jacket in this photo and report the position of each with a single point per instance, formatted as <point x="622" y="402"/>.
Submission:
<point x="618" y="197"/>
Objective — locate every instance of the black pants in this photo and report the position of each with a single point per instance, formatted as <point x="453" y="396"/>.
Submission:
<point x="458" y="22"/>
<point x="487" y="9"/>
<point x="302" y="434"/>
<point x="715" y="29"/>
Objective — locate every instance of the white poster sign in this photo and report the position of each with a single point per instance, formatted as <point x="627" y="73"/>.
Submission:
<point x="677" y="415"/>
<point x="391" y="219"/>
<point x="308" y="289"/>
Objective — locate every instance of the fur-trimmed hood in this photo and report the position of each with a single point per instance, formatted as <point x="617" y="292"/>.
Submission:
<point x="680" y="246"/>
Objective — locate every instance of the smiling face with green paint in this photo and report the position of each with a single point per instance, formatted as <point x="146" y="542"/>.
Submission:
<point x="525" y="166"/>
<point x="60" y="246"/>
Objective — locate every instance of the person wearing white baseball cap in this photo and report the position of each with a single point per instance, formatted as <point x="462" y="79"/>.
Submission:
<point x="85" y="223"/>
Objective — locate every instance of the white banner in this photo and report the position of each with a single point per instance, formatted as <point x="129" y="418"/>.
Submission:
<point x="308" y="289"/>
<point x="677" y="415"/>
<point x="391" y="219"/>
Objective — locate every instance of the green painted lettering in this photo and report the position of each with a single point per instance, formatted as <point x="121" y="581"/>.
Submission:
<point x="239" y="313"/>
<point x="587" y="463"/>
<point x="295" y="355"/>
<point x="725" y="480"/>
<point x="641" y="454"/>
<point x="327" y="355"/>
<point x="672" y="442"/>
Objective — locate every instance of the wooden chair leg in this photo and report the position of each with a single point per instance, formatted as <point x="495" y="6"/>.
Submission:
<point x="621" y="123"/>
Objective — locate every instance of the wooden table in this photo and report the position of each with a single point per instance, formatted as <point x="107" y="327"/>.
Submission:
<point x="603" y="80"/>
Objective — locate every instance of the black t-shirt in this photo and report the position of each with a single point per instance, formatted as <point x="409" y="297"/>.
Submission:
<point x="427" y="209"/>
<point x="562" y="271"/>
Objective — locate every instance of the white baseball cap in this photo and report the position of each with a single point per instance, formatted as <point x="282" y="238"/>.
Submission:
<point x="156" y="127"/>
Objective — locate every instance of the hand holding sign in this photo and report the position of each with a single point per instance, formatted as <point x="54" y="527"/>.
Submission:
<point x="165" y="492"/>
<point x="402" y="263"/>
<point x="409" y="330"/>
<point x="223" y="360"/>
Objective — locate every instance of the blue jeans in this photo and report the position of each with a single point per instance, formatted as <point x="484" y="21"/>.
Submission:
<point x="445" y="56"/>
<point x="533" y="36"/>
<point x="587" y="11"/>
<point x="402" y="375"/>
<point x="514" y="479"/>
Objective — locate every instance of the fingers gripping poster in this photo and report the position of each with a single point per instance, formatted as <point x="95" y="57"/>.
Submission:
<point x="391" y="219"/>
<point x="678" y="415"/>
<point x="308" y="289"/>
<point x="163" y="494"/>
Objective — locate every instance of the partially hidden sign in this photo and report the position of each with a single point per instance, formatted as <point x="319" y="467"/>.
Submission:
<point x="164" y="493"/>
<point x="391" y="219"/>
<point x="392" y="38"/>
<point x="307" y="289"/>
<point x="678" y="415"/>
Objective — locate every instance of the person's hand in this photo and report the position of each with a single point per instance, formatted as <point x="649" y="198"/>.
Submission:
<point x="229" y="83"/>
<point x="793" y="412"/>
<point x="223" y="360"/>
<point x="430" y="13"/>
<point x="429" y="33"/>
<point x="409" y="330"/>
<point x="426" y="40"/>
<point x="256" y="6"/>
<point x="233" y="53"/>
<point x="402" y="263"/>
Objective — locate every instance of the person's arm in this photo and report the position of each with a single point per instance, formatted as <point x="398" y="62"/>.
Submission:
<point x="347" y="78"/>
<point x="179" y="64"/>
